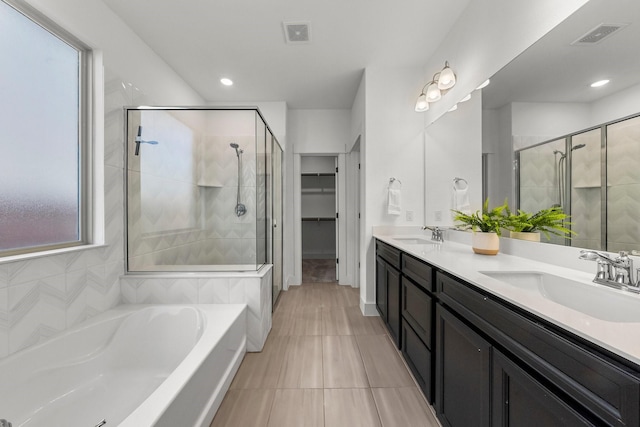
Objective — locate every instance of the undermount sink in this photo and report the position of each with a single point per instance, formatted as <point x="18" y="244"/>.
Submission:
<point x="601" y="303"/>
<point x="413" y="240"/>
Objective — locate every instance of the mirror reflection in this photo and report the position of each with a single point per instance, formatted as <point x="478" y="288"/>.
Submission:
<point x="551" y="139"/>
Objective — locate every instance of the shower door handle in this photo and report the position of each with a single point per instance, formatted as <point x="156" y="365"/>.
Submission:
<point x="275" y="224"/>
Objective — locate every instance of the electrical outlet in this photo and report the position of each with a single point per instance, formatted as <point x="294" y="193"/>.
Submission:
<point x="438" y="216"/>
<point x="409" y="215"/>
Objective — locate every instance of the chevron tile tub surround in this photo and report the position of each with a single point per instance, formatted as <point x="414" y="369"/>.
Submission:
<point x="251" y="288"/>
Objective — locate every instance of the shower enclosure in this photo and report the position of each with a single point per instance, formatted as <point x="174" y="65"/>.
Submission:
<point x="593" y="176"/>
<point x="204" y="191"/>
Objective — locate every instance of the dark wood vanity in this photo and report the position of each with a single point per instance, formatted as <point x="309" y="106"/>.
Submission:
<point x="482" y="361"/>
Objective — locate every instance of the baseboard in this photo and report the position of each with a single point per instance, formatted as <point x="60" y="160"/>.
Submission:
<point x="368" y="308"/>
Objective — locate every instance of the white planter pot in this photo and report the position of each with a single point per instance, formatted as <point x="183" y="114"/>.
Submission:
<point x="532" y="237"/>
<point x="485" y="243"/>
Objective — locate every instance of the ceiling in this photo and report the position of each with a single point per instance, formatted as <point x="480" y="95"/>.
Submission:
<point x="552" y="70"/>
<point x="205" y="40"/>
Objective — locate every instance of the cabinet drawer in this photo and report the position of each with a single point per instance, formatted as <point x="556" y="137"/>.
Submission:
<point x="388" y="253"/>
<point x="417" y="309"/>
<point x="418" y="357"/>
<point x="418" y="271"/>
<point x="608" y="390"/>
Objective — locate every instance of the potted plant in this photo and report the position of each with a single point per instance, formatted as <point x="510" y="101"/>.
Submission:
<point x="527" y="226"/>
<point x="486" y="227"/>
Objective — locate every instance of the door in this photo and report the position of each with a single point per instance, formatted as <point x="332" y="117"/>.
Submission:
<point x="462" y="373"/>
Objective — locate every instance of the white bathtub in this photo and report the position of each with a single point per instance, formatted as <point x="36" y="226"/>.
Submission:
<point x="134" y="366"/>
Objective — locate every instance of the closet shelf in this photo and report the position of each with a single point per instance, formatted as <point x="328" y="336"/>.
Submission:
<point x="318" y="191"/>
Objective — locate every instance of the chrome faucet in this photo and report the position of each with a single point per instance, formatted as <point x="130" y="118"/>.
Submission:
<point x="437" y="234"/>
<point x="618" y="271"/>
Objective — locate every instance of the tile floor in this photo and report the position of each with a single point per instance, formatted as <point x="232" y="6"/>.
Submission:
<point x="324" y="364"/>
<point x="318" y="270"/>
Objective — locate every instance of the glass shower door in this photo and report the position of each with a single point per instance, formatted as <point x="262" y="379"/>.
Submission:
<point x="277" y="218"/>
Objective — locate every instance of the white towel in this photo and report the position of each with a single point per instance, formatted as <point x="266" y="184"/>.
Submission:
<point x="461" y="198"/>
<point x="393" y="203"/>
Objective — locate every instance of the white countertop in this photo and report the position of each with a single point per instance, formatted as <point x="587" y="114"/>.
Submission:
<point x="621" y="338"/>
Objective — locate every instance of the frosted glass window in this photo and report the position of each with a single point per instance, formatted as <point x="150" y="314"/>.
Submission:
<point x="40" y="135"/>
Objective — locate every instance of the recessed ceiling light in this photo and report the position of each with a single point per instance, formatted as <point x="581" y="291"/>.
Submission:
<point x="484" y="84"/>
<point x="225" y="81"/>
<point x="466" y="98"/>
<point x="599" y="83"/>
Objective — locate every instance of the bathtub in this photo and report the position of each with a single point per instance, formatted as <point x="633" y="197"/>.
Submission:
<point x="133" y="366"/>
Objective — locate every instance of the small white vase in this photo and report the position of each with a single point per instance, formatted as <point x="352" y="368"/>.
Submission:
<point x="522" y="235"/>
<point x="485" y="243"/>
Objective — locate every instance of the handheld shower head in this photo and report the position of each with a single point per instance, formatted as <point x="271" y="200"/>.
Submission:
<point x="577" y="147"/>
<point x="234" y="145"/>
<point x="237" y="148"/>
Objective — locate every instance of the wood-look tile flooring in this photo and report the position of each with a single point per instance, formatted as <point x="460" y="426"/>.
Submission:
<point x="324" y="364"/>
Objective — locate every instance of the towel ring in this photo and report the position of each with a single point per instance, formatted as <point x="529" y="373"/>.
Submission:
<point x="456" y="180"/>
<point x="392" y="180"/>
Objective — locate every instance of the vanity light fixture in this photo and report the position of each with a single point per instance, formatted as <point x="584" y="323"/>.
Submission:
<point x="441" y="82"/>
<point x="225" y="81"/>
<point x="599" y="83"/>
<point x="484" y="84"/>
<point x="454" y="108"/>
<point x="465" y="99"/>
<point x="422" y="104"/>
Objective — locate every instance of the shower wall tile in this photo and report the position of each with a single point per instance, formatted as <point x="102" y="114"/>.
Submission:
<point x="128" y="290"/>
<point x="37" y="268"/>
<point x="4" y="276"/>
<point x="623" y="226"/>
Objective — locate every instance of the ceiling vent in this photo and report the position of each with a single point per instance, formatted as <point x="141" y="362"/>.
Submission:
<point x="598" y="34"/>
<point x="297" y="32"/>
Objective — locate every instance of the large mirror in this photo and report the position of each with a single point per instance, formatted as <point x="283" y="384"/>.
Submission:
<point x="550" y="139"/>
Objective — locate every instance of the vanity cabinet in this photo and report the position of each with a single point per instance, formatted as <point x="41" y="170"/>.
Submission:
<point x="539" y="371"/>
<point x="463" y="383"/>
<point x="418" y="302"/>
<point x="388" y="288"/>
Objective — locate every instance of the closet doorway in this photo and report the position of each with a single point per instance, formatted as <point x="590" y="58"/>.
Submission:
<point x="319" y="195"/>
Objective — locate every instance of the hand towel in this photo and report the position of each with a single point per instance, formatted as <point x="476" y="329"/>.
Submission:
<point x="461" y="199"/>
<point x="393" y="203"/>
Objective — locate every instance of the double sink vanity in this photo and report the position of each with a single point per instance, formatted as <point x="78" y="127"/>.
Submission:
<point x="509" y="341"/>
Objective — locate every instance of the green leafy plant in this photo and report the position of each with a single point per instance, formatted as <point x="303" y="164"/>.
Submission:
<point x="486" y="221"/>
<point x="552" y="220"/>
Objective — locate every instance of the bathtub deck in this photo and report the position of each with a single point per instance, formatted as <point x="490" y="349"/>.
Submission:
<point x="324" y="364"/>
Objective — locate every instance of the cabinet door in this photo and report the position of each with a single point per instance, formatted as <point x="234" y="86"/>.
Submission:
<point x="521" y="401"/>
<point x="393" y="304"/>
<point x="463" y="365"/>
<point x="381" y="287"/>
<point x="418" y="357"/>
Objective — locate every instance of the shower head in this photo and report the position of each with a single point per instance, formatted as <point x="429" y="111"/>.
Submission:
<point x="577" y="147"/>
<point x="237" y="148"/>
<point x="558" y="152"/>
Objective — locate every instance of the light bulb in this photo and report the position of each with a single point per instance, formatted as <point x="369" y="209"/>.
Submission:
<point x="225" y="81"/>
<point x="466" y="98"/>
<point x="433" y="93"/>
<point x="447" y="78"/>
<point x="421" y="103"/>
<point x="454" y="108"/>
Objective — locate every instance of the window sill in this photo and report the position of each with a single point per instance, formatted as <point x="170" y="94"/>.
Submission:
<point x="52" y="252"/>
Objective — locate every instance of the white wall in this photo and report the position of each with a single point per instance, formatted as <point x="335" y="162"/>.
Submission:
<point x="549" y="119"/>
<point x="453" y="149"/>
<point x="393" y="147"/>
<point x="319" y="131"/>
<point x="616" y="106"/>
